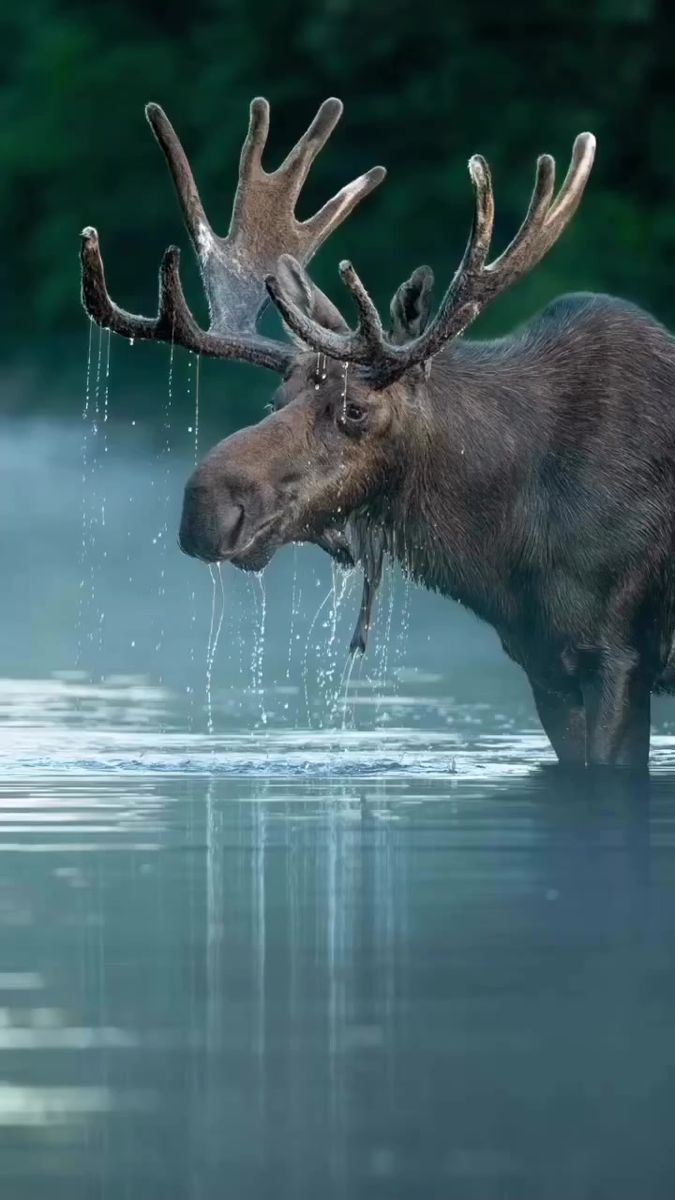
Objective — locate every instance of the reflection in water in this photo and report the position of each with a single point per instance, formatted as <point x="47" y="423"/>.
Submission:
<point x="460" y="988"/>
<point x="398" y="955"/>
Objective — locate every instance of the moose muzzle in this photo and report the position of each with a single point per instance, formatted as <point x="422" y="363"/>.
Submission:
<point x="212" y="521"/>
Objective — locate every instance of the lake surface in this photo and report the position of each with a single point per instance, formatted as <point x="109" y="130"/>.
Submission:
<point x="270" y="931"/>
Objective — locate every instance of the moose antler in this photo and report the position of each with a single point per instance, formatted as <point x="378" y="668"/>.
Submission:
<point x="233" y="268"/>
<point x="476" y="282"/>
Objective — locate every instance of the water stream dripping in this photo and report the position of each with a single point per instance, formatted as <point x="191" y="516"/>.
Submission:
<point x="194" y="429"/>
<point x="258" y="651"/>
<point x="87" y="386"/>
<point x="404" y="625"/>
<point x="196" y="424"/>
<point x="102" y="508"/>
<point x="386" y="639"/>
<point x="85" y="468"/>
<point x="345" y="383"/>
<point x="106" y="389"/>
<point x="160" y="538"/>
<point x="344" y="688"/>
<point x="217" y="592"/>
<point x="92" y="505"/>
<point x="305" y="681"/>
<point x="342" y="587"/>
<point x="294" y="611"/>
<point x="377" y="678"/>
<point x="209" y="644"/>
<point x="324" y="666"/>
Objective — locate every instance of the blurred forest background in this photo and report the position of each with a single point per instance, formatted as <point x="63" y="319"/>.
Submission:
<point x="424" y="86"/>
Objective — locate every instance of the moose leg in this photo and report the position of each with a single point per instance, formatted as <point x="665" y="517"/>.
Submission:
<point x="564" y="721"/>
<point x="617" y="699"/>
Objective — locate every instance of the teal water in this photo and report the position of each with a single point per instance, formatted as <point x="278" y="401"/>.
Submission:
<point x="360" y="943"/>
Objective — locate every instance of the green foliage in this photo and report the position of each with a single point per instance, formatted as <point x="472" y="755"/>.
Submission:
<point x="425" y="85"/>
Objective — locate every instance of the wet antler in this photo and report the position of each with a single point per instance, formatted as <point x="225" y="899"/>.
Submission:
<point x="233" y="268"/>
<point x="475" y="283"/>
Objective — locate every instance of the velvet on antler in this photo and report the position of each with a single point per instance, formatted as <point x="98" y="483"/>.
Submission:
<point x="233" y="268"/>
<point x="475" y="283"/>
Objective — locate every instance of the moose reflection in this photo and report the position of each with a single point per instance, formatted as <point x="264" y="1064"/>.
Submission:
<point x="532" y="477"/>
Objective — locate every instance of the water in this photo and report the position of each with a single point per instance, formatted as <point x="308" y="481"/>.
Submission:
<point x="397" y="959"/>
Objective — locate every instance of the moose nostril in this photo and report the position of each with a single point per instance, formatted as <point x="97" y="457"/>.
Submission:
<point x="212" y="522"/>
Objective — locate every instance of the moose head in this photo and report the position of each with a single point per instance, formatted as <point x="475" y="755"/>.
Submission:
<point x="353" y="418"/>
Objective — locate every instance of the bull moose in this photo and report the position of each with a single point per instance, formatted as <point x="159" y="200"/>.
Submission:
<point x="532" y="477"/>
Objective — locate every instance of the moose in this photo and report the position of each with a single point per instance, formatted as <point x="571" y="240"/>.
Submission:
<point x="531" y="478"/>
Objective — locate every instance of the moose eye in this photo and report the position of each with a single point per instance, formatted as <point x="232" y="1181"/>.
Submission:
<point x="352" y="413"/>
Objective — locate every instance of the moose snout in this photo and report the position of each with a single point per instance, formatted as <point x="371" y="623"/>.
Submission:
<point x="211" y="522"/>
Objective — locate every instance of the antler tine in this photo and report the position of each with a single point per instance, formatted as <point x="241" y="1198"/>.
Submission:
<point x="96" y="299"/>
<point x="480" y="238"/>
<point x="298" y="161"/>
<point x="516" y="257"/>
<point x="250" y="159"/>
<point x="547" y="217"/>
<point x="173" y="313"/>
<point x="337" y="209"/>
<point x="370" y="325"/>
<point x="574" y="183"/>
<point x="363" y="345"/>
<point x="454" y="313"/>
<point x="196" y="220"/>
<point x="349" y="347"/>
<point x="475" y="282"/>
<point x="174" y="321"/>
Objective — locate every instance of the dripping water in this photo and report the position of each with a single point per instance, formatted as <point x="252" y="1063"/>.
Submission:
<point x="385" y="642"/>
<point x="404" y="626"/>
<point x="85" y="467"/>
<point x="102" y="516"/>
<point x="94" y="466"/>
<point x="106" y="390"/>
<point x="345" y="373"/>
<point x="344" y="689"/>
<point x="217" y="612"/>
<point x="342" y="587"/>
<point x="259" y="649"/>
<point x="324" y="668"/>
<point x="91" y="506"/>
<point x="305" y="678"/>
<point x="292" y="635"/>
<point x="160" y="538"/>
<point x="194" y="429"/>
<point x="321" y="370"/>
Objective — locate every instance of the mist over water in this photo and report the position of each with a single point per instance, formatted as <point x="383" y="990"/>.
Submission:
<point x="263" y="935"/>
<point x="115" y="600"/>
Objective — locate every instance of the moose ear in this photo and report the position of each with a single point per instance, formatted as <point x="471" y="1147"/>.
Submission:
<point x="411" y="306"/>
<point x="297" y="285"/>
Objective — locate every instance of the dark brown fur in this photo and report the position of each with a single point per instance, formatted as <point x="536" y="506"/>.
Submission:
<point x="531" y="478"/>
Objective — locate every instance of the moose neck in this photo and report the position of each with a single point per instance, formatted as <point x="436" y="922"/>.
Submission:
<point x="464" y="503"/>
